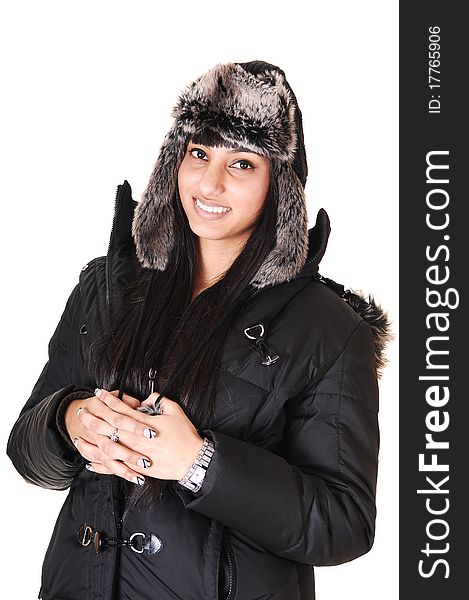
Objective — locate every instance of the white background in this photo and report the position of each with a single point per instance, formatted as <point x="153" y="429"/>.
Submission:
<point x="87" y="92"/>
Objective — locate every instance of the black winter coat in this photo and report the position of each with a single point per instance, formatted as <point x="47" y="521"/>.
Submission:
<point x="292" y="480"/>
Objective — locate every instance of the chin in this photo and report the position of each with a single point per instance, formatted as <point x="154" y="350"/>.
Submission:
<point x="208" y="230"/>
<point x="208" y="233"/>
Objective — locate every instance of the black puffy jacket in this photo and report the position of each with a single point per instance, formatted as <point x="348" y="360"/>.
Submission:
<point x="292" y="481"/>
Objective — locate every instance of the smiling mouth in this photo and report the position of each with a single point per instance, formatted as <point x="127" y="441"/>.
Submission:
<point x="211" y="210"/>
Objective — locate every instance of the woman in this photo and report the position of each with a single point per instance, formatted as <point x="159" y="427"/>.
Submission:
<point x="221" y="394"/>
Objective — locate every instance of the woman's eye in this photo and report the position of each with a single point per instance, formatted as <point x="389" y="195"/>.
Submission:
<point x="198" y="153"/>
<point x="245" y="165"/>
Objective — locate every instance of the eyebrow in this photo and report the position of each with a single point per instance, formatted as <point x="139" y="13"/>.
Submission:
<point x="232" y="150"/>
<point x="241" y="149"/>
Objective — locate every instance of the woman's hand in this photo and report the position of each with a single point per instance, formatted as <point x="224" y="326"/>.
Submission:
<point x="90" y="427"/>
<point x="174" y="446"/>
<point x="168" y="442"/>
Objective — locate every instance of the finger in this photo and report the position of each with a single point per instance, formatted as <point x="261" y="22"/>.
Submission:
<point x="87" y="450"/>
<point x="94" y="423"/>
<point x="104" y="420"/>
<point x="116" y="468"/>
<point x="97" y="467"/>
<point x="109" y="450"/>
<point x="114" y="403"/>
<point x="129" y="400"/>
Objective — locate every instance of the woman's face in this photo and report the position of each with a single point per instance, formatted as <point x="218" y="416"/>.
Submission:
<point x="222" y="191"/>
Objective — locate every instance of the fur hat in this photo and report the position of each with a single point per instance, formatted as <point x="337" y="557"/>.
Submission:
<point x="247" y="104"/>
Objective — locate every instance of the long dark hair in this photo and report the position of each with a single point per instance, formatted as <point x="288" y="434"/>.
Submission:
<point x="181" y="340"/>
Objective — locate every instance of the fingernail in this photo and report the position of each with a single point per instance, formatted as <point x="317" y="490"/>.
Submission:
<point x="97" y="392"/>
<point x="149" y="433"/>
<point x="138" y="480"/>
<point x="144" y="462"/>
<point x="75" y="441"/>
<point x="89" y="466"/>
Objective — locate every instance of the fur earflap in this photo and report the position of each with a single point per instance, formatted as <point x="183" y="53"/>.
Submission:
<point x="255" y="111"/>
<point x="291" y="249"/>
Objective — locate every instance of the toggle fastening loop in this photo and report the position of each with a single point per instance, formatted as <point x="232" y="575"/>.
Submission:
<point x="138" y="542"/>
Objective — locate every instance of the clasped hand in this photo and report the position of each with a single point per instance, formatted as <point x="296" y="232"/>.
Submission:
<point x="162" y="446"/>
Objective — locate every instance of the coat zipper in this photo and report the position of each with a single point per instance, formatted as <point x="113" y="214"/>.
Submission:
<point x="229" y="558"/>
<point x="107" y="269"/>
<point x="114" y="486"/>
<point x="119" y="526"/>
<point x="230" y="574"/>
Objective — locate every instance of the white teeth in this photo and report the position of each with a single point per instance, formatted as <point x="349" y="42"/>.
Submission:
<point x="211" y="209"/>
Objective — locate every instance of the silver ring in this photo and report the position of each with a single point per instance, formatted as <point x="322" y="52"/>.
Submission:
<point x="114" y="437"/>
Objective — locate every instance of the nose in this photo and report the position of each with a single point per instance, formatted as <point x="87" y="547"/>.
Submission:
<point x="211" y="183"/>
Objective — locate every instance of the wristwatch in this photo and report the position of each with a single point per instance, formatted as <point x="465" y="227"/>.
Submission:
<point x="194" y="477"/>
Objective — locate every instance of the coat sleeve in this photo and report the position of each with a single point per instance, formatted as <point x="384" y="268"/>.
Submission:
<point x="37" y="447"/>
<point x="315" y="504"/>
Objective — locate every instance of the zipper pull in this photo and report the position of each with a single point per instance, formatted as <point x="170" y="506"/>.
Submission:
<point x="151" y="379"/>
<point x="256" y="333"/>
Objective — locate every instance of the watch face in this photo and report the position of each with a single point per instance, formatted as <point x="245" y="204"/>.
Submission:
<point x="198" y="475"/>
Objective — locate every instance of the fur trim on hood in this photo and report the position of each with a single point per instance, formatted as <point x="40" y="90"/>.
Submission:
<point x="376" y="317"/>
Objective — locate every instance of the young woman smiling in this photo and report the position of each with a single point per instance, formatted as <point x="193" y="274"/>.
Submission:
<point x="210" y="399"/>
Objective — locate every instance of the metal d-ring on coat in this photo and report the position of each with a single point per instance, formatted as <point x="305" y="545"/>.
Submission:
<point x="257" y="333"/>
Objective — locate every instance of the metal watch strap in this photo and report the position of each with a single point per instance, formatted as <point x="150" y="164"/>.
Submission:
<point x="194" y="477"/>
